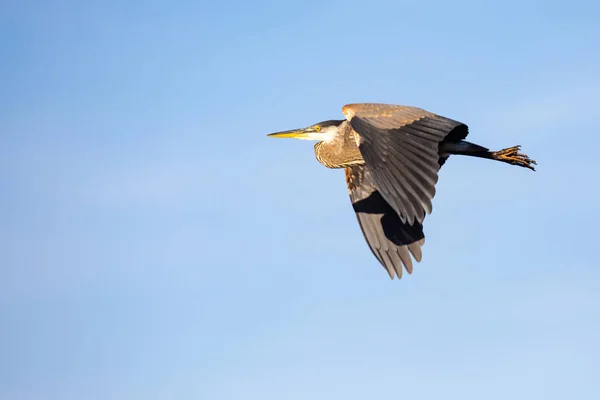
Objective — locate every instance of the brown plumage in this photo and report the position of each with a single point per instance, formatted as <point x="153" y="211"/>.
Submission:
<point x="391" y="155"/>
<point x="341" y="151"/>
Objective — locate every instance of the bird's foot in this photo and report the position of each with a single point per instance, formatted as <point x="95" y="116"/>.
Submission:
<point x="512" y="156"/>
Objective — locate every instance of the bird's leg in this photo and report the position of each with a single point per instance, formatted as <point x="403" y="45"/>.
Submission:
<point x="512" y="156"/>
<point x="509" y="155"/>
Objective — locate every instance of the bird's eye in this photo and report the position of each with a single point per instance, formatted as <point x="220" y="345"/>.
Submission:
<point x="318" y="128"/>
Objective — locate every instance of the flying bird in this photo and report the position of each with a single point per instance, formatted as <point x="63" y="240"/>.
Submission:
<point x="391" y="155"/>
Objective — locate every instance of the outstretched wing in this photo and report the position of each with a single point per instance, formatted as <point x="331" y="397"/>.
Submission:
<point x="400" y="147"/>
<point x="391" y="240"/>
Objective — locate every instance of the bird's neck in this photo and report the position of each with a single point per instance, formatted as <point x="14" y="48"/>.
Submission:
<point x="341" y="150"/>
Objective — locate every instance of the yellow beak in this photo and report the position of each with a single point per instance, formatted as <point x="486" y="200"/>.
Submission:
<point x="294" y="134"/>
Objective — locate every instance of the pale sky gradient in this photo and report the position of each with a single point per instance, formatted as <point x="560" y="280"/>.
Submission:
<point x="154" y="244"/>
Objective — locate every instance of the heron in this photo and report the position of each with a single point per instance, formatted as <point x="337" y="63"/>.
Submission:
<point x="391" y="155"/>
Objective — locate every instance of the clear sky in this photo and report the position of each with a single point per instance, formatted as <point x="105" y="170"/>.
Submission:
<point x="154" y="244"/>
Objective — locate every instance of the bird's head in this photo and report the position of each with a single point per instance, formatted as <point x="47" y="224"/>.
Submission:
<point x="322" y="131"/>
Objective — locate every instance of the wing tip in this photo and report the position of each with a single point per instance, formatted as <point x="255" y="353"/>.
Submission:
<point x="390" y="272"/>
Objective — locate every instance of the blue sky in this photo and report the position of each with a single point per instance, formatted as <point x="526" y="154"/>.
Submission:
<point x="155" y="244"/>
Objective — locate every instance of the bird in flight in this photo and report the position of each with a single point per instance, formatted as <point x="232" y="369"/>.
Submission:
<point x="391" y="155"/>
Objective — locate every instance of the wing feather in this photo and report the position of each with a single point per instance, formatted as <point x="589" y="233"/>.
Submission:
<point x="391" y="240"/>
<point x="400" y="146"/>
